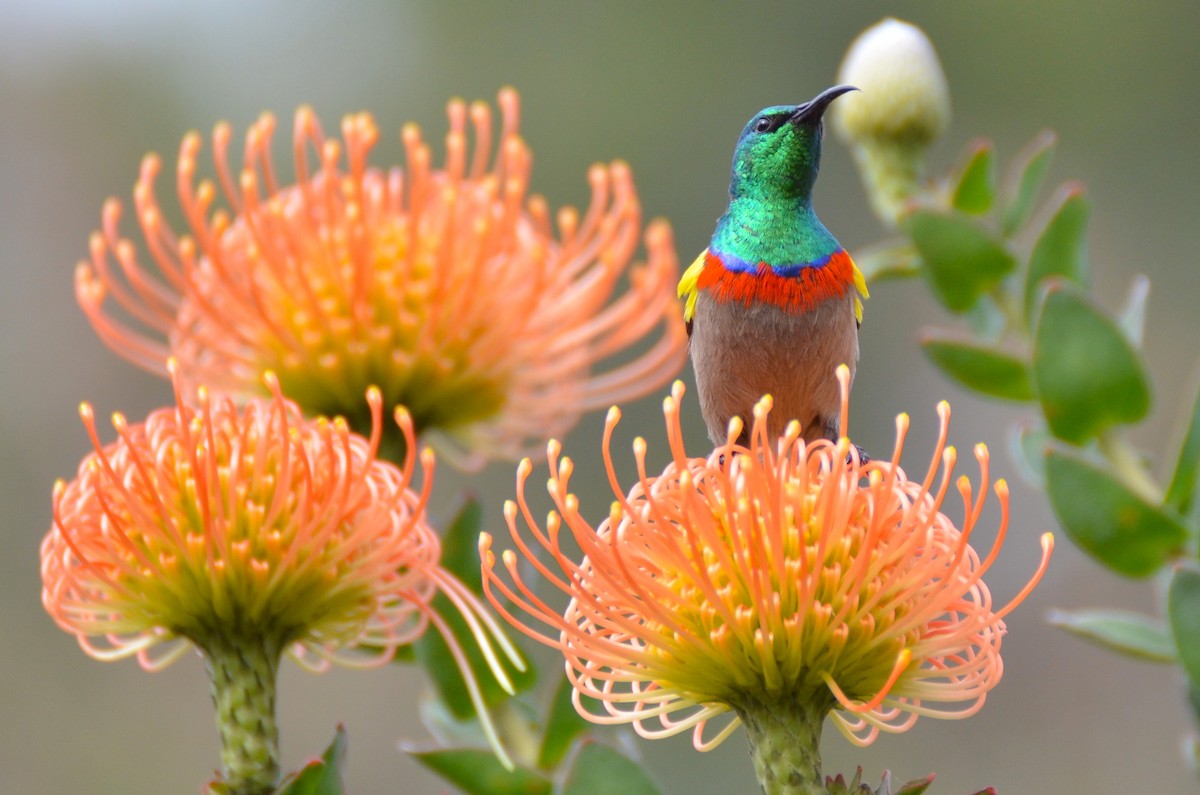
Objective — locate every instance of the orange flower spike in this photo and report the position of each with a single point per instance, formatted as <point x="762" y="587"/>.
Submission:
<point x="249" y="532"/>
<point x="781" y="582"/>
<point x="447" y="287"/>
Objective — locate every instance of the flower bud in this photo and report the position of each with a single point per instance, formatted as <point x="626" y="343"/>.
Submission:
<point x="902" y="108"/>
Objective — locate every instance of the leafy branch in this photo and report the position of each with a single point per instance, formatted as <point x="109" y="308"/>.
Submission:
<point x="1032" y="332"/>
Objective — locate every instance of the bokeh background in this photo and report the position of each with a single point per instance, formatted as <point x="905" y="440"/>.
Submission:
<point x="87" y="87"/>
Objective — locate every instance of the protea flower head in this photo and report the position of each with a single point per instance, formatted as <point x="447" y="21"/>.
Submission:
<point x="249" y="532"/>
<point x="779" y="582"/>
<point x="448" y="288"/>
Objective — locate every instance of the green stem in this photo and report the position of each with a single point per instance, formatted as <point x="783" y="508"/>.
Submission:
<point x="1129" y="467"/>
<point x="785" y="741"/>
<point x="1014" y="314"/>
<point x="891" y="172"/>
<point x="243" y="690"/>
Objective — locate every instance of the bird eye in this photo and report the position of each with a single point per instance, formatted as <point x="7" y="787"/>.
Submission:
<point x="763" y="124"/>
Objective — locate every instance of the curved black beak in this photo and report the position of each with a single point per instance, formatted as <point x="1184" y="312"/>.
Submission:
<point x="812" y="111"/>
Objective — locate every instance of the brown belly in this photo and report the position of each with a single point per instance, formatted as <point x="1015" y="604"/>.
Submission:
<point x="741" y="353"/>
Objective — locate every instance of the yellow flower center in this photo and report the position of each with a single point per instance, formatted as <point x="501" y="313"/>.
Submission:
<point x="350" y="305"/>
<point x="779" y="613"/>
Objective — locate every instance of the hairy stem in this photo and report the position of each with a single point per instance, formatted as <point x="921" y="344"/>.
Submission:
<point x="785" y="741"/>
<point x="243" y="689"/>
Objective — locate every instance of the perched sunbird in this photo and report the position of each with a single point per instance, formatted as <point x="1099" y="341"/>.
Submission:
<point x="774" y="303"/>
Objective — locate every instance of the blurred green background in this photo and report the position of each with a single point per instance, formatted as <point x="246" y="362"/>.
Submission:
<point x="87" y="87"/>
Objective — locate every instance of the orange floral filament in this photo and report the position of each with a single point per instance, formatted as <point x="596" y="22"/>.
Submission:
<point x="777" y="572"/>
<point x="447" y="288"/>
<point x="216" y="526"/>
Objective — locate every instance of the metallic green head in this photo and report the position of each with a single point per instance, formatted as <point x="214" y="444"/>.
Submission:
<point x="779" y="151"/>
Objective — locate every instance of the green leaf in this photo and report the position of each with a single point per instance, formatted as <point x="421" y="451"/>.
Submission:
<point x="916" y="787"/>
<point x="1133" y="634"/>
<point x="435" y="657"/>
<point x="1183" y="612"/>
<point x="1028" y="444"/>
<point x="983" y="369"/>
<point x="962" y="260"/>
<point x="599" y="770"/>
<point x="460" y="554"/>
<point x="479" y="772"/>
<point x="1187" y="464"/>
<point x="1030" y="168"/>
<point x="460" y="544"/>
<point x="1132" y="317"/>
<point x="1108" y="520"/>
<point x="887" y="261"/>
<point x="563" y="725"/>
<point x="1061" y="248"/>
<point x="840" y="785"/>
<point x="975" y="190"/>
<point x="1088" y="377"/>
<point x="320" y="776"/>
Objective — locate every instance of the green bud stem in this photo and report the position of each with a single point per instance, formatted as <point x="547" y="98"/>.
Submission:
<point x="891" y="173"/>
<point x="1129" y="468"/>
<point x="785" y="741"/>
<point x="243" y="689"/>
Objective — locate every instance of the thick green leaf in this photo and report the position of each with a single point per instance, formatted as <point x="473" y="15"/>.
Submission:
<point x="1124" y="631"/>
<point x="1061" y="248"/>
<point x="320" y="776"/>
<point x="917" y="787"/>
<point x="460" y="544"/>
<point x="1087" y="375"/>
<point x="460" y="555"/>
<point x="1108" y="520"/>
<point x="962" y="260"/>
<point x="1028" y="444"/>
<point x="599" y="770"/>
<point x="975" y="190"/>
<point x="1182" y="490"/>
<point x="435" y="657"/>
<point x="563" y="725"/>
<point x="1030" y="168"/>
<point x="988" y="370"/>
<point x="1132" y="317"/>
<point x="1183" y="611"/>
<point x="479" y="772"/>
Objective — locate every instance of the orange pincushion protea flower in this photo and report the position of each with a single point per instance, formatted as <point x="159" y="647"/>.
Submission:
<point x="215" y="524"/>
<point x="784" y="576"/>
<point x="446" y="288"/>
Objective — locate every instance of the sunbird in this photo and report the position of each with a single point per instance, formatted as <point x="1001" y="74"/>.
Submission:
<point x="774" y="303"/>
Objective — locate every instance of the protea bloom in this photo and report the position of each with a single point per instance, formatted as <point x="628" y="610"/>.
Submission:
<point x="448" y="288"/>
<point x="781" y="582"/>
<point x="249" y="532"/>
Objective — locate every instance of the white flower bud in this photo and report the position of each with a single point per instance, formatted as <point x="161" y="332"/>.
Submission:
<point x="902" y="107"/>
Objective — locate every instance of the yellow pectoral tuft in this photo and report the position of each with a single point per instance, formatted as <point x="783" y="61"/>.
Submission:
<point x="689" y="285"/>
<point x="860" y="284"/>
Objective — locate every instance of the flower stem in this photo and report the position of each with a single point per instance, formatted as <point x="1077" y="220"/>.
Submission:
<point x="785" y="741"/>
<point x="891" y="173"/>
<point x="243" y="689"/>
<point x="1125" y="461"/>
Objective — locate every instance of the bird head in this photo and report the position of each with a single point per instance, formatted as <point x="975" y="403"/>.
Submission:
<point x="779" y="150"/>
